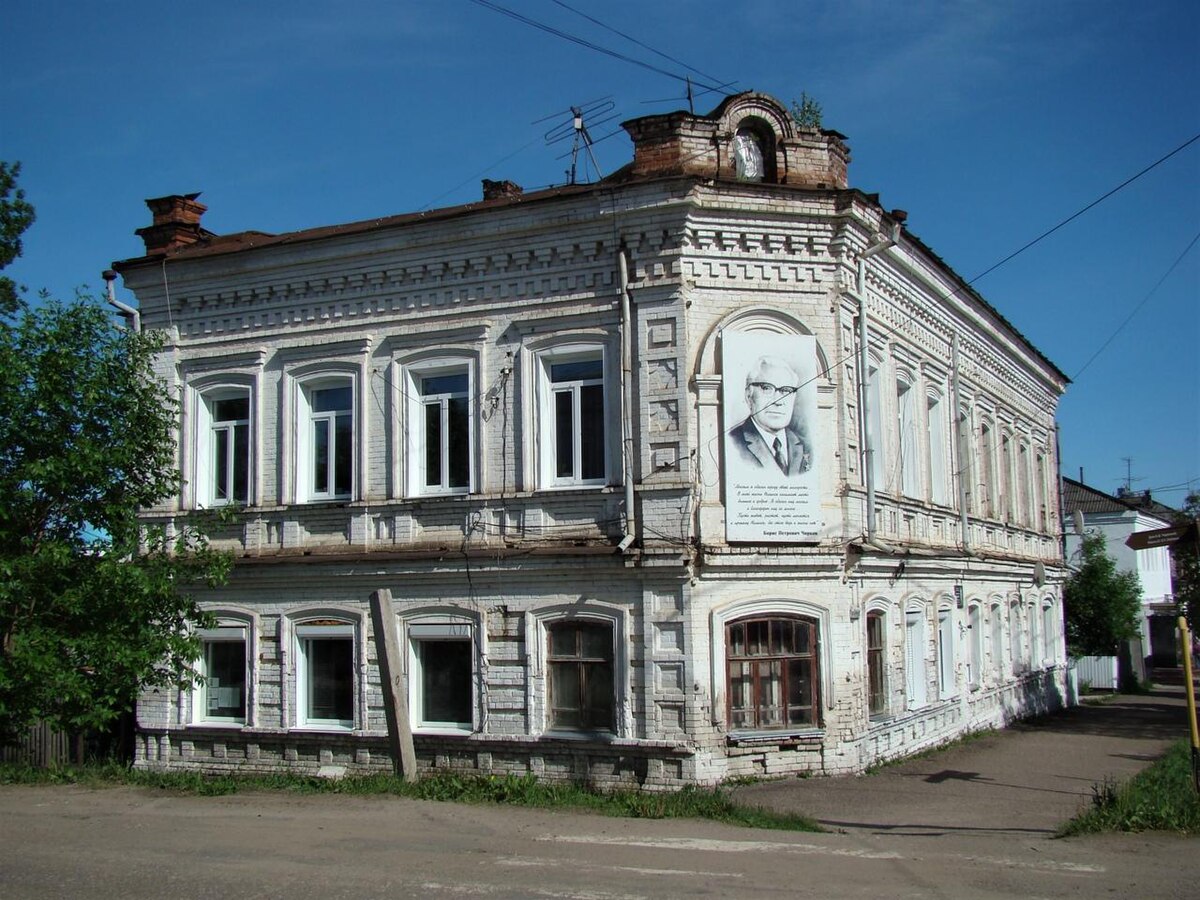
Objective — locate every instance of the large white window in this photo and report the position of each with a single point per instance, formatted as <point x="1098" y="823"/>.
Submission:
<point x="222" y="697"/>
<point x="914" y="657"/>
<point x="326" y="440"/>
<point x="440" y="442"/>
<point x="975" y="627"/>
<point x="907" y="443"/>
<point x="939" y="489"/>
<point x="325" y="674"/>
<point x="987" y="471"/>
<point x="874" y="423"/>
<point x="997" y="640"/>
<point x="573" y="427"/>
<point x="223" y="446"/>
<point x="442" y="675"/>
<point x="1015" y="637"/>
<point x="1049" y="632"/>
<point x="945" y="653"/>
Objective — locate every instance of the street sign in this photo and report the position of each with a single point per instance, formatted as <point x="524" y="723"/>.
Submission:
<point x="1159" y="537"/>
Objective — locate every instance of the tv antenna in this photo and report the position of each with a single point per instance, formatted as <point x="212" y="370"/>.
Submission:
<point x="595" y="113"/>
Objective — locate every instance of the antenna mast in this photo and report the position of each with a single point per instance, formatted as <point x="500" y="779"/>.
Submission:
<point x="597" y="112"/>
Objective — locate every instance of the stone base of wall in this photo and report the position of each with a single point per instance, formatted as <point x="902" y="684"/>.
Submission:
<point x="596" y="764"/>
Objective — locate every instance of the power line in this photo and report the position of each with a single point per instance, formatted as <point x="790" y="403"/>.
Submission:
<point x="1137" y="308"/>
<point x="582" y="42"/>
<point x="1095" y="202"/>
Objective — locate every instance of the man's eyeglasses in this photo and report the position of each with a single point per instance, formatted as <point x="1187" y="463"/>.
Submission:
<point x="774" y="390"/>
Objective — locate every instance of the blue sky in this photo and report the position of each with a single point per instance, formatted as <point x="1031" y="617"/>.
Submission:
<point x="990" y="122"/>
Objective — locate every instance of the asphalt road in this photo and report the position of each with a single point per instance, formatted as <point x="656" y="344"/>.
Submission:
<point x="133" y="843"/>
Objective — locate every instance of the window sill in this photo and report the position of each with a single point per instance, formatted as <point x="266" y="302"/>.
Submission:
<point x="567" y="735"/>
<point x="441" y="731"/>
<point x="223" y="724"/>
<point x="329" y="728"/>
<point x="781" y="736"/>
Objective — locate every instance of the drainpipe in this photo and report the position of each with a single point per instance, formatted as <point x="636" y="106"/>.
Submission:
<point x="626" y="399"/>
<point x="960" y="442"/>
<point x="131" y="315"/>
<point x="881" y="243"/>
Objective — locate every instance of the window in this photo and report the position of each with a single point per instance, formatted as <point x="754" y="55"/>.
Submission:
<point x="910" y="481"/>
<point x="975" y="675"/>
<point x="222" y="697"/>
<point x="773" y="673"/>
<point x="874" y="423"/>
<point x="574" y="439"/>
<point x="442" y="666"/>
<point x="914" y="657"/>
<point x="876" y="674"/>
<point x="1024" y="477"/>
<point x="1004" y="483"/>
<point x="945" y="637"/>
<point x="1041" y="490"/>
<point x="580" y="668"/>
<point x="229" y="448"/>
<point x="1014" y="637"/>
<point x="987" y="471"/>
<point x="440" y="432"/>
<point x="936" y="429"/>
<point x="997" y="641"/>
<point x="1049" y="632"/>
<point x="325" y="673"/>
<point x="327" y="441"/>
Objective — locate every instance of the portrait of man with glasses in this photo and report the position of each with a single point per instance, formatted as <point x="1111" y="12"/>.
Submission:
<point x="768" y="438"/>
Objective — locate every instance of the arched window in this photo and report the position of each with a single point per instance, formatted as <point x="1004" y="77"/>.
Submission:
<point x="754" y="151"/>
<point x="975" y="626"/>
<point x="580" y="667"/>
<point x="877" y="704"/>
<point x="773" y="672"/>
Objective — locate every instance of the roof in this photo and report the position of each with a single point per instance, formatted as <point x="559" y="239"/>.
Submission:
<point x="1078" y="496"/>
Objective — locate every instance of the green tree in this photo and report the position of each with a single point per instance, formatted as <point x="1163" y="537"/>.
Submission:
<point x="1102" y="606"/>
<point x="92" y="605"/>
<point x="1186" y="556"/>
<point x="806" y="112"/>
<point x="16" y="215"/>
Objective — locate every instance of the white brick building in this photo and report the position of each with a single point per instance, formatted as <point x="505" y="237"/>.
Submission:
<point x="513" y="415"/>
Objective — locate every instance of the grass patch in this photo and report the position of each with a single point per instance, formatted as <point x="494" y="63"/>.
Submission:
<point x="1160" y="798"/>
<point x="713" y="804"/>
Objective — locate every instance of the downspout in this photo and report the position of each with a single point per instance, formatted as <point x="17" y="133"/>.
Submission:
<point x="131" y="315"/>
<point x="626" y="399"/>
<point x="960" y="443"/>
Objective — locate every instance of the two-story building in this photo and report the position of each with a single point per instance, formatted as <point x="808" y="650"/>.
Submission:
<point x="708" y="469"/>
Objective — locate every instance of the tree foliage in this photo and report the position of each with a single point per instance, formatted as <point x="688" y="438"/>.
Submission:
<point x="806" y="112"/>
<point x="92" y="607"/>
<point x="1186" y="556"/>
<point x="16" y="215"/>
<point x="1102" y="605"/>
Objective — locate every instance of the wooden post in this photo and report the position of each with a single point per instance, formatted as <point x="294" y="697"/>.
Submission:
<point x="395" y="697"/>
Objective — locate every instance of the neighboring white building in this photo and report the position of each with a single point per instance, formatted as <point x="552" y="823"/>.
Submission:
<point x="546" y="423"/>
<point x="1117" y="517"/>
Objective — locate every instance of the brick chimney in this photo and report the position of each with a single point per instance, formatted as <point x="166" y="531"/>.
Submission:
<point x="501" y="190"/>
<point x="176" y="223"/>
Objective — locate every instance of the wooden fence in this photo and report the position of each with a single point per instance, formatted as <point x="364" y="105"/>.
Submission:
<point x="43" y="746"/>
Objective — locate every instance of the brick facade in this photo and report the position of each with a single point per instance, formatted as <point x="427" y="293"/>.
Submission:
<point x="498" y="288"/>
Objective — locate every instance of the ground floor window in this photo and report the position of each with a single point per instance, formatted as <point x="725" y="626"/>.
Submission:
<point x="325" y="676"/>
<point x="223" y="667"/>
<point x="443" y="656"/>
<point x="580" y="668"/>
<point x="876" y="680"/>
<point x="773" y="672"/>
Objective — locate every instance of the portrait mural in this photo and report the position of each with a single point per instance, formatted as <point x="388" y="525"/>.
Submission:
<point x="769" y="400"/>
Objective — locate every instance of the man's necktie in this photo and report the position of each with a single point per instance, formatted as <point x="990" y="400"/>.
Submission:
<point x="779" y="457"/>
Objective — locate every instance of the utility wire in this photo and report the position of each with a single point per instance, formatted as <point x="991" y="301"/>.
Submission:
<point x="1137" y="308"/>
<point x="634" y="40"/>
<point x="1095" y="202"/>
<point x="582" y="42"/>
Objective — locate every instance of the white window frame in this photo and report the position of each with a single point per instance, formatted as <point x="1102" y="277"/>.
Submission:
<point x="935" y="426"/>
<point x="228" y="630"/>
<point x="916" y="674"/>
<point x="907" y="441"/>
<point x="975" y="620"/>
<point x="207" y="428"/>
<point x="1049" y="632"/>
<point x="306" y="420"/>
<point x="422" y="631"/>
<point x="987" y="470"/>
<point x="415" y="436"/>
<point x="304" y="632"/>
<point x="873" y="427"/>
<point x="947" y="683"/>
<point x="1016" y="642"/>
<point x="996" y="628"/>
<point x="547" y="390"/>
